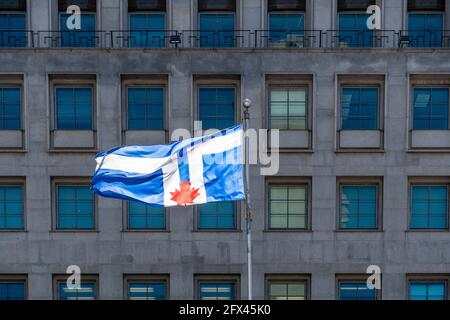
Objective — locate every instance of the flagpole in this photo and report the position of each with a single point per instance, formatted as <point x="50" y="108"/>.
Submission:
<point x="248" y="215"/>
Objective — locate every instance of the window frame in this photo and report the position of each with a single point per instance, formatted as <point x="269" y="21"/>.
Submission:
<point x="427" y="278"/>
<point x="227" y="82"/>
<point x="144" y="83"/>
<point x="424" y="181"/>
<point x="15" y="278"/>
<point x="287" y="278"/>
<point x="74" y="81"/>
<point x="214" y="278"/>
<point x="13" y="182"/>
<point x="126" y="227"/>
<point x="146" y="278"/>
<point x="16" y="81"/>
<point x="67" y="181"/>
<point x="237" y="220"/>
<point x="58" y="278"/>
<point x="307" y="89"/>
<point x="154" y="13"/>
<point x="416" y="85"/>
<point x="235" y="43"/>
<point x="290" y="182"/>
<point x="361" y="182"/>
<point x="354" y="278"/>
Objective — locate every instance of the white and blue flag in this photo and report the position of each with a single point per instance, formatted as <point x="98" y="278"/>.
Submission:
<point x="192" y="171"/>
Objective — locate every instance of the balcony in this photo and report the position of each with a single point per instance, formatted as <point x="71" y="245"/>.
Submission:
<point x="224" y="39"/>
<point x="144" y="39"/>
<point x="296" y="38"/>
<point x="360" y="39"/>
<point x="424" y="38"/>
<point x="217" y="39"/>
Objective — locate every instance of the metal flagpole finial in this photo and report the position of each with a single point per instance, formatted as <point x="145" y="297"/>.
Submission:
<point x="247" y="103"/>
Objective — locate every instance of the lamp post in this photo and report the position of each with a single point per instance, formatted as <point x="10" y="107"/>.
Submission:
<point x="247" y="103"/>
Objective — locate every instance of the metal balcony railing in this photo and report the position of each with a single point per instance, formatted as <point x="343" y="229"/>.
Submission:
<point x="217" y="39"/>
<point x="292" y="38"/>
<point x="71" y="39"/>
<point x="16" y="38"/>
<point x="144" y="39"/>
<point x="424" y="38"/>
<point x="360" y="39"/>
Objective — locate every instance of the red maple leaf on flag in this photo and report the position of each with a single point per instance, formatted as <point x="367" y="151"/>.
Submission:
<point x="185" y="195"/>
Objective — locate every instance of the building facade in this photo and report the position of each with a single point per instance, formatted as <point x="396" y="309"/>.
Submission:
<point x="364" y="158"/>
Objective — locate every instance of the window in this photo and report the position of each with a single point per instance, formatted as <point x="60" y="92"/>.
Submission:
<point x="430" y="108"/>
<point x="217" y="23"/>
<point x="218" y="287"/>
<point x="429" y="206"/>
<point x="216" y="107"/>
<point x="74" y="207"/>
<point x="87" y="291"/>
<point x="10" y="108"/>
<point x="427" y="290"/>
<point x="356" y="290"/>
<point x="145" y="108"/>
<point x="288" y="206"/>
<point x="12" y="30"/>
<point x="353" y="31"/>
<point x="147" y="287"/>
<point x="288" y="108"/>
<point x="287" y="29"/>
<point x="12" y="288"/>
<point x="217" y="215"/>
<point x="74" y="107"/>
<point x="426" y="23"/>
<point x="147" y="23"/>
<point x="281" y="287"/>
<point x="358" y="206"/>
<point x="11" y="207"/>
<point x="141" y="217"/>
<point x="359" y="108"/>
<point x="86" y="36"/>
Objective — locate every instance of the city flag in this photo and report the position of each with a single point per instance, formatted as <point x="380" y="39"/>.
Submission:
<point x="192" y="171"/>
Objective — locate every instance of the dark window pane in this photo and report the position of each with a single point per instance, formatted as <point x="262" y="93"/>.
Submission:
<point x="146" y="5"/>
<point x="291" y="5"/>
<point x="286" y="29"/>
<point x="10" y="108"/>
<point x="85" y="5"/>
<point x="216" y="5"/>
<point x="360" y="5"/>
<point x="422" y="5"/>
